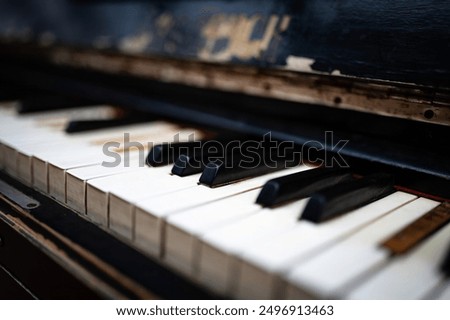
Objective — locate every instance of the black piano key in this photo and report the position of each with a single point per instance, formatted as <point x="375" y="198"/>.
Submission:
<point x="77" y="126"/>
<point x="446" y="263"/>
<point x="347" y="196"/>
<point x="211" y="150"/>
<point x="8" y="95"/>
<point x="187" y="165"/>
<point x="166" y="153"/>
<point x="195" y="162"/>
<point x="9" y="92"/>
<point x="300" y="185"/>
<point x="244" y="166"/>
<point x="49" y="103"/>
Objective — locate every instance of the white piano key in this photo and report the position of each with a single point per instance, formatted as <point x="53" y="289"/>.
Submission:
<point x="25" y="158"/>
<point x="141" y="133"/>
<point x="329" y="273"/>
<point x="150" y="213"/>
<point x="206" y="194"/>
<point x="39" y="131"/>
<point x="6" y="110"/>
<point x="55" y="120"/>
<point x="9" y="160"/>
<point x="445" y="293"/>
<point x="28" y="135"/>
<point x="153" y="133"/>
<point x="52" y="146"/>
<point x="267" y="261"/>
<point x="410" y="276"/>
<point x="31" y="136"/>
<point x="76" y="180"/>
<point x="78" y="155"/>
<point x="57" y="171"/>
<point x="10" y="123"/>
<point x="217" y="263"/>
<point x="264" y="259"/>
<point x="2" y="157"/>
<point x="97" y="191"/>
<point x="121" y="202"/>
<point x="59" y="163"/>
<point x="57" y="115"/>
<point x="181" y="245"/>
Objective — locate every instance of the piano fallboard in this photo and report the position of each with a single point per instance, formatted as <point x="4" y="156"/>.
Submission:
<point x="386" y="58"/>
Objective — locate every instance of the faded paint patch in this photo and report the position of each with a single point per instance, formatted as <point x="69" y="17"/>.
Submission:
<point x="302" y="64"/>
<point x="235" y="32"/>
<point x="299" y="64"/>
<point x="137" y="43"/>
<point x="164" y="23"/>
<point x="285" y="23"/>
<point x="336" y="73"/>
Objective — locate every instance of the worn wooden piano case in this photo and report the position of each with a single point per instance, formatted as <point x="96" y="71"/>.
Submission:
<point x="377" y="74"/>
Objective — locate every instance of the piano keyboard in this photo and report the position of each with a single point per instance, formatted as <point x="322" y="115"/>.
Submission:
<point x="220" y="237"/>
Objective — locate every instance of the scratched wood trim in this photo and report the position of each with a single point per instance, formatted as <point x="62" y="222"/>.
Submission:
<point x="60" y="257"/>
<point x="388" y="98"/>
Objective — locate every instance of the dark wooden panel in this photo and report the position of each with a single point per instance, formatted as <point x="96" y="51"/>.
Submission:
<point x="45" y="278"/>
<point x="394" y="40"/>
<point x="10" y="287"/>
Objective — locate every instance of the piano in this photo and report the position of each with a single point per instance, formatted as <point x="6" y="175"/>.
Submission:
<point x="224" y="149"/>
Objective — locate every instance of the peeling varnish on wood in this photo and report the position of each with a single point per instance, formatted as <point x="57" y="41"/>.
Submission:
<point x="407" y="101"/>
<point x="236" y="32"/>
<point x="64" y="260"/>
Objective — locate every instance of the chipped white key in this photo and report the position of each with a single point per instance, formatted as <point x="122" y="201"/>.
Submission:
<point x="217" y="267"/>
<point x="266" y="261"/>
<point x="76" y="180"/>
<point x="410" y="276"/>
<point x="329" y="273"/>
<point x="57" y="167"/>
<point x="29" y="136"/>
<point x="181" y="244"/>
<point x="41" y="131"/>
<point x="55" y="146"/>
<point x="263" y="259"/>
<point x="121" y="201"/>
<point x="150" y="214"/>
<point x="6" y="110"/>
<point x="97" y="190"/>
<point x="49" y="168"/>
